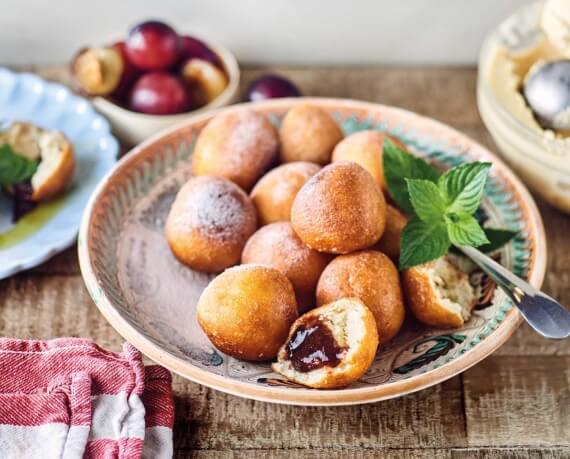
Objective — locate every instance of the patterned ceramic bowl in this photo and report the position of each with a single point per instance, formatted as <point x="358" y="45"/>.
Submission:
<point x="150" y="298"/>
<point x="52" y="226"/>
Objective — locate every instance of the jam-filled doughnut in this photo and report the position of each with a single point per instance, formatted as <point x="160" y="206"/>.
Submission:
<point x="278" y="246"/>
<point x="331" y="346"/>
<point x="371" y="277"/>
<point x="366" y="148"/>
<point x="239" y="145"/>
<point x="308" y="133"/>
<point x="273" y="195"/>
<point x="247" y="310"/>
<point x="339" y="210"/>
<point x="389" y="243"/>
<point x="209" y="223"/>
<point x="438" y="293"/>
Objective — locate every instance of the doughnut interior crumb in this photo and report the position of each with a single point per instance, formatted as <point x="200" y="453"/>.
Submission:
<point x="451" y="287"/>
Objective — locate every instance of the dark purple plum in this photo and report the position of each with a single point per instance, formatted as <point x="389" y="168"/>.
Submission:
<point x="129" y="75"/>
<point x="153" y="45"/>
<point x="192" y="48"/>
<point x="159" y="93"/>
<point x="270" y="87"/>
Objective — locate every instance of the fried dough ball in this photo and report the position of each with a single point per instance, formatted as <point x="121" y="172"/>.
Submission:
<point x="389" y="243"/>
<point x="331" y="346"/>
<point x="308" y="133"/>
<point x="438" y="293"/>
<point x="273" y="195"/>
<point x="366" y="148"/>
<point x="339" y="209"/>
<point x="54" y="153"/>
<point x="371" y="277"/>
<point x="209" y="223"/>
<point x="238" y="145"/>
<point x="247" y="310"/>
<point x="278" y="246"/>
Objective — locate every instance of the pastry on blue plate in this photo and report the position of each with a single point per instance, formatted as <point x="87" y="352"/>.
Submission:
<point x="35" y="165"/>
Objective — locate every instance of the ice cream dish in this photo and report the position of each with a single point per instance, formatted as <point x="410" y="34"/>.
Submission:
<point x="524" y="96"/>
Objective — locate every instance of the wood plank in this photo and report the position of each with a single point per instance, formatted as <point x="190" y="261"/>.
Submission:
<point x="65" y="263"/>
<point x="43" y="307"/>
<point x="513" y="401"/>
<point x="315" y="453"/>
<point x="511" y="453"/>
<point x="213" y="420"/>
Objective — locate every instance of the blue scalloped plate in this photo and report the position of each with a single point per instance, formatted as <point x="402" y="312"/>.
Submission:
<point x="53" y="226"/>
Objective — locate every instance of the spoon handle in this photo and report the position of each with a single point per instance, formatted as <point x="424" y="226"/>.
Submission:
<point x="501" y="275"/>
<point x="544" y="314"/>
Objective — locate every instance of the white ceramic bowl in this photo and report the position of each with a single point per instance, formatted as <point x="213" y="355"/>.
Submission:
<point x="132" y="127"/>
<point x="541" y="160"/>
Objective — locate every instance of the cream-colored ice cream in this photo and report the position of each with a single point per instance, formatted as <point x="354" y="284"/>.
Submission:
<point x="538" y="155"/>
<point x="510" y="60"/>
<point x="555" y="23"/>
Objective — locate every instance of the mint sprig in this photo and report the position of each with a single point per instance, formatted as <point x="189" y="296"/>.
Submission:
<point x="462" y="187"/>
<point x="422" y="241"/>
<point x="497" y="238"/>
<point x="399" y="166"/>
<point x="14" y="168"/>
<point x="443" y="207"/>
<point x="465" y="230"/>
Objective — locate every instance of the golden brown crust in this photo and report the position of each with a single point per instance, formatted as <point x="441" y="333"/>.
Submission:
<point x="389" y="243"/>
<point x="278" y="246"/>
<point x="339" y="209"/>
<point x="59" y="178"/>
<point x="52" y="150"/>
<point x="308" y="133"/>
<point x="365" y="148"/>
<point x="247" y="310"/>
<point x="355" y="364"/>
<point x="372" y="277"/>
<point x="209" y="223"/>
<point x="239" y="146"/>
<point x="273" y="195"/>
<point x="423" y="301"/>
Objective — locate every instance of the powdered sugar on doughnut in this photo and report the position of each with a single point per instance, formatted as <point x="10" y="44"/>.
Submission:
<point x="217" y="207"/>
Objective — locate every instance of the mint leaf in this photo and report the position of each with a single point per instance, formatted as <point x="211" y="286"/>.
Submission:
<point x="497" y="238"/>
<point x="464" y="229"/>
<point x="422" y="242"/>
<point x="426" y="199"/>
<point x="462" y="187"/>
<point x="13" y="167"/>
<point x="400" y="165"/>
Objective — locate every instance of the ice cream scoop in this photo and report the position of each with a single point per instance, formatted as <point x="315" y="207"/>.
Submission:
<point x="547" y="92"/>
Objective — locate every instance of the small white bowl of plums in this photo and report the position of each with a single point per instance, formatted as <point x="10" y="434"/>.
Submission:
<point x="155" y="78"/>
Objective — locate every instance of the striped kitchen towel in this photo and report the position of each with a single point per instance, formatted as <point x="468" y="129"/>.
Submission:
<point x="68" y="398"/>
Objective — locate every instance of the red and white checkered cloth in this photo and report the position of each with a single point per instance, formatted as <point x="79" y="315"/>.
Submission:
<point x="68" y="398"/>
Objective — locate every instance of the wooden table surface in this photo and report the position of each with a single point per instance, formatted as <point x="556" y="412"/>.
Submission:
<point x="514" y="404"/>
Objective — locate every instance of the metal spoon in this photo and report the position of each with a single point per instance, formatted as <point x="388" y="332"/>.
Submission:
<point x="544" y="314"/>
<point x="547" y="92"/>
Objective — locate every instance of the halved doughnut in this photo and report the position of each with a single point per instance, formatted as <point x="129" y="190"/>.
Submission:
<point x="331" y="346"/>
<point x="438" y="293"/>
